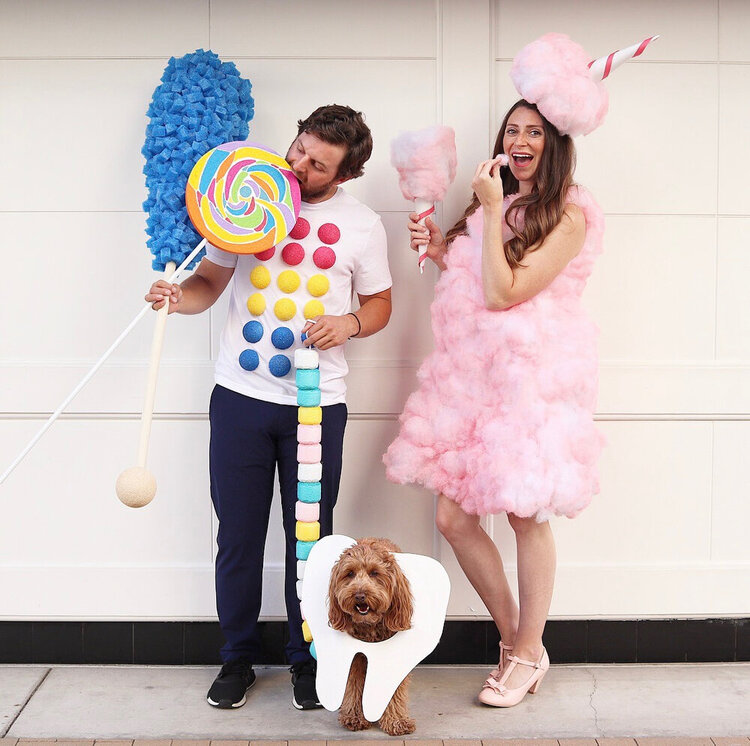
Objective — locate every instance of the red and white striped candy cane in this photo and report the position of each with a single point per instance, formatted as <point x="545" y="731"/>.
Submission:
<point x="424" y="209"/>
<point x="603" y="66"/>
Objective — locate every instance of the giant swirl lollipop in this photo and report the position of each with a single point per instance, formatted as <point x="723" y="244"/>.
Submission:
<point x="242" y="198"/>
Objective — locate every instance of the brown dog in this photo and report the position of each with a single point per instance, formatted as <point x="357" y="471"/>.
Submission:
<point x="370" y="599"/>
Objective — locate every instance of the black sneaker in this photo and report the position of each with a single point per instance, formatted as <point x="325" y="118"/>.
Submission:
<point x="304" y="696"/>
<point x="229" y="687"/>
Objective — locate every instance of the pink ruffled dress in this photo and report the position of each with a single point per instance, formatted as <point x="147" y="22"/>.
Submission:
<point x="502" y="420"/>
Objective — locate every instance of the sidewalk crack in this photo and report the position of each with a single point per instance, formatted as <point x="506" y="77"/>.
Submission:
<point x="591" y="702"/>
<point x="4" y="732"/>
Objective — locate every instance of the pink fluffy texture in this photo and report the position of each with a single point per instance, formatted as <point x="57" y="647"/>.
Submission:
<point x="309" y="453"/>
<point x="502" y="419"/>
<point x="309" y="433"/>
<point x="552" y="72"/>
<point x="307" y="512"/>
<point x="426" y="162"/>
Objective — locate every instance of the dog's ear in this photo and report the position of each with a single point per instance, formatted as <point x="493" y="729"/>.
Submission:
<point x="399" y="615"/>
<point x="337" y="619"/>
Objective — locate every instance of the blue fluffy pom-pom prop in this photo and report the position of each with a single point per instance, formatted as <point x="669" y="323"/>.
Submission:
<point x="202" y="102"/>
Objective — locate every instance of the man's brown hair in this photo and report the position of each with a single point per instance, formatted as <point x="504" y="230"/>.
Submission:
<point x="341" y="125"/>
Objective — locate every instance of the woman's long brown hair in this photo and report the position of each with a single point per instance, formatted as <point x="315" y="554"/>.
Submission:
<point x="545" y="204"/>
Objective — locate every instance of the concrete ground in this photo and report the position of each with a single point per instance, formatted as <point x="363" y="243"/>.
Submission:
<point x="648" y="702"/>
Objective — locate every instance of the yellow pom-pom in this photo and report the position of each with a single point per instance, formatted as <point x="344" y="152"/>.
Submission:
<point x="309" y="415"/>
<point x="288" y="281"/>
<point x="260" y="277"/>
<point x="318" y="285"/>
<point x="306" y="632"/>
<point x="308" y="531"/>
<point x="314" y="308"/>
<point x="285" y="309"/>
<point x="256" y="304"/>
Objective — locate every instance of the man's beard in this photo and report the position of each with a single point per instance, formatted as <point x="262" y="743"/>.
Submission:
<point x="307" y="194"/>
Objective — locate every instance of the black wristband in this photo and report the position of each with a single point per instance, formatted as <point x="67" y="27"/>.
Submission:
<point x="359" y="324"/>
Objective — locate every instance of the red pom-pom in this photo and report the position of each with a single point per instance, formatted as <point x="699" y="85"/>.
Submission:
<point x="267" y="254"/>
<point x="329" y="233"/>
<point x="292" y="254"/>
<point x="324" y="257"/>
<point x="300" y="230"/>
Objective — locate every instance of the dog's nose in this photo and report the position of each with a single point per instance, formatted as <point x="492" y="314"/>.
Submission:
<point x="359" y="597"/>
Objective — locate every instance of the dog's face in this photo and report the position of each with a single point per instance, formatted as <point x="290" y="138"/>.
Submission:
<point x="368" y="588"/>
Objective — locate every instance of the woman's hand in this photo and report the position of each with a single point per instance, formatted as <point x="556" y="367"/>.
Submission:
<point x="488" y="184"/>
<point x="427" y="236"/>
<point x="160" y="292"/>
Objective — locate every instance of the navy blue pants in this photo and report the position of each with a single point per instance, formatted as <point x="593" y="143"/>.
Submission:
<point x="249" y="440"/>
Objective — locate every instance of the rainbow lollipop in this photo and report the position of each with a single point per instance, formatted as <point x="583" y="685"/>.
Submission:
<point x="242" y="197"/>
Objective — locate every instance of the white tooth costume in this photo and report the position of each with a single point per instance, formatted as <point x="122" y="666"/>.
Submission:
<point x="389" y="661"/>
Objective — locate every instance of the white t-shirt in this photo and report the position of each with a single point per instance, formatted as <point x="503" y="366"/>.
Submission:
<point x="337" y="248"/>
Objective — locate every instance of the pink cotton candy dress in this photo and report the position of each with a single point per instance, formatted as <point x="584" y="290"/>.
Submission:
<point x="502" y="420"/>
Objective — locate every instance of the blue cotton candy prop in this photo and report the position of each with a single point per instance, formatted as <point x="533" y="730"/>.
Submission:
<point x="202" y="102"/>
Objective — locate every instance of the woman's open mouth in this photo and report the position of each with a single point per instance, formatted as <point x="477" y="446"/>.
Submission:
<point x="522" y="159"/>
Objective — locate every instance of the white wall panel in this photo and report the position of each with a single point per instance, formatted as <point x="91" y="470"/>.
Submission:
<point x="732" y="299"/>
<point x="734" y="40"/>
<point x="734" y="147"/>
<point x="78" y="278"/>
<point x="297" y="28"/>
<point x="688" y="27"/>
<point x="77" y="127"/>
<point x="655" y="477"/>
<point x="105" y="28"/>
<point x="652" y="291"/>
<point x="62" y="504"/>
<point x="730" y="503"/>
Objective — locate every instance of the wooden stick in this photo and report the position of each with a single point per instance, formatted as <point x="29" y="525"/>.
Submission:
<point x="153" y="374"/>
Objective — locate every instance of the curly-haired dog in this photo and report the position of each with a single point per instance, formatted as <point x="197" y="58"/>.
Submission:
<point x="370" y="598"/>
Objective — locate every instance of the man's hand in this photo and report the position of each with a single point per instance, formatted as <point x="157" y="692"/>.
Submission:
<point x="326" y="332"/>
<point x="161" y="292"/>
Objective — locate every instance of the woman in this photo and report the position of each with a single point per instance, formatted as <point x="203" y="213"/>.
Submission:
<point x="502" y="420"/>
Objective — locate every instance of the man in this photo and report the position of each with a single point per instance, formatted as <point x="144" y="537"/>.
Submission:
<point x="338" y="247"/>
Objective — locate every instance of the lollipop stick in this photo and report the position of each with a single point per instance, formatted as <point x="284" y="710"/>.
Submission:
<point x="95" y="368"/>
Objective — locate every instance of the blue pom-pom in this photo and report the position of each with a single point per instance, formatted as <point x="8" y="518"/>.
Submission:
<point x="198" y="91"/>
<point x="279" y="365"/>
<point x="308" y="397"/>
<point x="252" y="331"/>
<point x="308" y="492"/>
<point x="313" y="651"/>
<point x="282" y="338"/>
<point x="249" y="359"/>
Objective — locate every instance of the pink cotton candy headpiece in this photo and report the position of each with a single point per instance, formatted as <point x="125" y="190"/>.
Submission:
<point x="425" y="161"/>
<point x="558" y="76"/>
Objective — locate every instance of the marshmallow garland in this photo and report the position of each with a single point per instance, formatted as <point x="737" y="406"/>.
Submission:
<point x="426" y="164"/>
<point x="309" y="466"/>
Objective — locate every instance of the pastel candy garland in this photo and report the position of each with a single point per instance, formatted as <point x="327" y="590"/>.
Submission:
<point x="310" y="468"/>
<point x="242" y="197"/>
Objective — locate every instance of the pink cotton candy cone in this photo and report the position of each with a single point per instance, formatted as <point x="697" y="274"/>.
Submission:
<point x="426" y="164"/>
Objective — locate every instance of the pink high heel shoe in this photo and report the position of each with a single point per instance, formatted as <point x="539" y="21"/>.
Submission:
<point x="496" y="694"/>
<point x="497" y="673"/>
